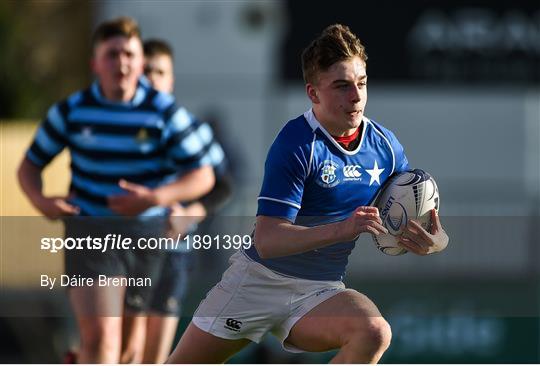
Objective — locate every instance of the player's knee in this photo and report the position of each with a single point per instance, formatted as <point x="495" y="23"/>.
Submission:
<point x="372" y="336"/>
<point x="378" y="334"/>
<point x="131" y="356"/>
<point x="101" y="337"/>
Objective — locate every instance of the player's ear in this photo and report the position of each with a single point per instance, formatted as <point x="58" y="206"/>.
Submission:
<point x="312" y="93"/>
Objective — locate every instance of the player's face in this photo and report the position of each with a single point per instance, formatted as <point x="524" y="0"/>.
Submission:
<point x="340" y="95"/>
<point x="118" y="64"/>
<point x="159" y="70"/>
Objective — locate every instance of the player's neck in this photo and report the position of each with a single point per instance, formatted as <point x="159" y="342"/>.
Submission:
<point x="335" y="130"/>
<point x="119" y="95"/>
<point x="349" y="142"/>
<point x="345" y="133"/>
<point x="347" y="138"/>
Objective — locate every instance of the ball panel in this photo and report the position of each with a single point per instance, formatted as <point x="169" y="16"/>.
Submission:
<point x="408" y="195"/>
<point x="393" y="250"/>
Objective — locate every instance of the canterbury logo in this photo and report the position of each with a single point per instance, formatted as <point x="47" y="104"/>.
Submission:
<point x="350" y="171"/>
<point x="233" y="324"/>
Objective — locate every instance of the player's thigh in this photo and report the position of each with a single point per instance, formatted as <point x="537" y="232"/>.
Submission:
<point x="97" y="301"/>
<point x="198" y="346"/>
<point x="328" y="325"/>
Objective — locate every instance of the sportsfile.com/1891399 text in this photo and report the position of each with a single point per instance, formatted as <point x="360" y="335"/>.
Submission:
<point x="120" y="242"/>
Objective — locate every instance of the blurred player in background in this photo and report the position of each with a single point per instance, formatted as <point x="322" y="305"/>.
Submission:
<point x="149" y="339"/>
<point x="159" y="64"/>
<point x="133" y="153"/>
<point x="309" y="216"/>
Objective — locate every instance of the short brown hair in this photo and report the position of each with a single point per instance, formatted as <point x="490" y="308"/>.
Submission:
<point x="336" y="43"/>
<point x="155" y="47"/>
<point x="123" y="26"/>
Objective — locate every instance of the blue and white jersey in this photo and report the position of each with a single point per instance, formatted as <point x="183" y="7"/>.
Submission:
<point x="148" y="140"/>
<point x="311" y="180"/>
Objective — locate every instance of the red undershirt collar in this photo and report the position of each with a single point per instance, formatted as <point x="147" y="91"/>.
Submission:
<point x="346" y="140"/>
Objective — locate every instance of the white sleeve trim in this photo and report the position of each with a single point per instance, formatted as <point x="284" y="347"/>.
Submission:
<point x="311" y="155"/>
<point x="295" y="205"/>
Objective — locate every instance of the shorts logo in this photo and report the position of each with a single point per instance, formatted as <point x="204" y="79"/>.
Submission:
<point x="172" y="304"/>
<point x="325" y="290"/>
<point x="351" y="172"/>
<point x="328" y="177"/>
<point x="233" y="324"/>
<point x="135" y="301"/>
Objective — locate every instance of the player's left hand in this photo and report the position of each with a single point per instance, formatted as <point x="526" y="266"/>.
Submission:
<point x="419" y="241"/>
<point x="137" y="199"/>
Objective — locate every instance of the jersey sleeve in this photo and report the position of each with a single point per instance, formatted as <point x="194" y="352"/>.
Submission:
<point x="285" y="173"/>
<point x="50" y="138"/>
<point x="402" y="164"/>
<point x="190" y="143"/>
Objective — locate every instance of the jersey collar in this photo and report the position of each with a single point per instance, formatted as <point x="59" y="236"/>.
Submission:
<point x="140" y="93"/>
<point x="315" y="124"/>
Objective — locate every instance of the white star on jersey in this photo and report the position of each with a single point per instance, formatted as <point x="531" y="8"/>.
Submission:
<point x="374" y="174"/>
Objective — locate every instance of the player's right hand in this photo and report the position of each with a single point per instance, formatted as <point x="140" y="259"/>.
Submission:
<point x="56" y="207"/>
<point x="365" y="219"/>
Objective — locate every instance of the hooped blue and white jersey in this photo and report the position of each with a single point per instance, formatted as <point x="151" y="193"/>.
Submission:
<point x="311" y="180"/>
<point x="148" y="140"/>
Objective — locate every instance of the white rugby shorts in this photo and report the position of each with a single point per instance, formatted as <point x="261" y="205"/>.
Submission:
<point x="252" y="300"/>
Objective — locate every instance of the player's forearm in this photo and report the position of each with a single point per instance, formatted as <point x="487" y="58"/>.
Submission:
<point x="219" y="195"/>
<point x="189" y="187"/>
<point x="29" y="176"/>
<point x="275" y="237"/>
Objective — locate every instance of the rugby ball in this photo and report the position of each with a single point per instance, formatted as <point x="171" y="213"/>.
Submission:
<point x="408" y="195"/>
